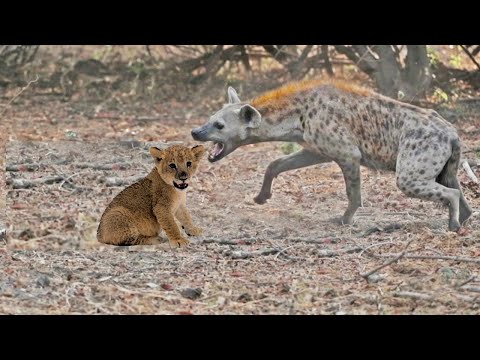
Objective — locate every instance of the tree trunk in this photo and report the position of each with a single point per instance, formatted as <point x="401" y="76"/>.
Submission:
<point x="416" y="76"/>
<point x="383" y="64"/>
<point x="387" y="75"/>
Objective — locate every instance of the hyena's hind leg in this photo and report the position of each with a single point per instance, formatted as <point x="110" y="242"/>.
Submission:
<point x="300" y="159"/>
<point x="431" y="190"/>
<point x="417" y="172"/>
<point x="448" y="177"/>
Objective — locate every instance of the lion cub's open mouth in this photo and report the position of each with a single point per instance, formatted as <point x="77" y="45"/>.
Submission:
<point x="181" y="186"/>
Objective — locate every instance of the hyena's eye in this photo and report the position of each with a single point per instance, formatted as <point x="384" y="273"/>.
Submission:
<point x="219" y="126"/>
<point x="173" y="166"/>
<point x="189" y="163"/>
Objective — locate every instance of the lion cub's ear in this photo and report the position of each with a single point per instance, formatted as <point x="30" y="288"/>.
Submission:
<point x="156" y="153"/>
<point x="198" y="151"/>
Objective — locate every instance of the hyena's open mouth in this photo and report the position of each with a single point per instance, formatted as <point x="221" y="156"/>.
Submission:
<point x="217" y="152"/>
<point x="181" y="186"/>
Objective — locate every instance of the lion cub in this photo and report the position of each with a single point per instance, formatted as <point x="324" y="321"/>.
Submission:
<point x="138" y="213"/>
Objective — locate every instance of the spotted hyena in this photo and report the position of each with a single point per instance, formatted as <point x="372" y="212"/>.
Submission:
<point x="352" y="126"/>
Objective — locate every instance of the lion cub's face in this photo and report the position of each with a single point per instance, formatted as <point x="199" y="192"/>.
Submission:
<point x="177" y="164"/>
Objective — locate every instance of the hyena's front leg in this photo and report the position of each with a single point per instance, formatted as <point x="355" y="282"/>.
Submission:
<point x="351" y="174"/>
<point x="294" y="161"/>
<point x="185" y="219"/>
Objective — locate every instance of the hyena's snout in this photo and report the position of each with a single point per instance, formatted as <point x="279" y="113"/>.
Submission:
<point x="199" y="134"/>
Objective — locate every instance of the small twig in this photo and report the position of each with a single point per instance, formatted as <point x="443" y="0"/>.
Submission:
<point x="25" y="184"/>
<point x="318" y="241"/>
<point x="227" y="241"/>
<point x="19" y="93"/>
<point x="144" y="293"/>
<point x="470" y="279"/>
<point x="408" y="213"/>
<point x="210" y="297"/>
<point x="65" y="177"/>
<point x="388" y="228"/>
<point x="466" y="298"/>
<point x="413" y="295"/>
<point x="36" y="166"/>
<point x="42" y="166"/>
<point x="49" y="236"/>
<point x="282" y="251"/>
<point x="389" y="262"/>
<point x="148" y="118"/>
<point x="24" y="167"/>
<point x="472" y="99"/>
<point x="427" y="297"/>
<point x="117" y="166"/>
<point x="254" y="301"/>
<point x="114" y="181"/>
<point x="436" y="257"/>
<point x="469" y="171"/>
<point x="373" y="245"/>
<point x="472" y="162"/>
<point x="472" y="288"/>
<point x="332" y="253"/>
<point x="376" y="57"/>
<point x="248" y="255"/>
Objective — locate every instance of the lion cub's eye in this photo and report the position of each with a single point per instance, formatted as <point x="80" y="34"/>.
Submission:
<point x="173" y="166"/>
<point x="189" y="163"/>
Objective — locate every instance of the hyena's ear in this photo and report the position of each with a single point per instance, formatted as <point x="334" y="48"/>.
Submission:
<point x="198" y="151"/>
<point x="232" y="96"/>
<point x="250" y="115"/>
<point x="156" y="153"/>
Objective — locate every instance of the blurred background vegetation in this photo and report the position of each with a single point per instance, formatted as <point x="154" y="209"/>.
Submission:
<point x="421" y="74"/>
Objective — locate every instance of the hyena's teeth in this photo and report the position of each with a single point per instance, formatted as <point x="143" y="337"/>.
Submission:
<point x="217" y="149"/>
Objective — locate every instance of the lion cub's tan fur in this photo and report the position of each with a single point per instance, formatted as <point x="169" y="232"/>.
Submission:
<point x="138" y="213"/>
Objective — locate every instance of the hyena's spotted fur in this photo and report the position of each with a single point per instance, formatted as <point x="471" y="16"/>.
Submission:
<point x="352" y="126"/>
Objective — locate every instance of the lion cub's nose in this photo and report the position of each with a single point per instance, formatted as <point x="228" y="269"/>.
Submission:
<point x="183" y="176"/>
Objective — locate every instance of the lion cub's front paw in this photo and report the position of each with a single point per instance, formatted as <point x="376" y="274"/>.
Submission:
<point x="180" y="242"/>
<point x="193" y="231"/>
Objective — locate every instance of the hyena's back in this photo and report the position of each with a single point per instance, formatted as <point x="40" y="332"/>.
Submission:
<point x="374" y="127"/>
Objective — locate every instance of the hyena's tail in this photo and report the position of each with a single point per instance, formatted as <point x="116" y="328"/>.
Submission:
<point x="448" y="178"/>
<point x="448" y="175"/>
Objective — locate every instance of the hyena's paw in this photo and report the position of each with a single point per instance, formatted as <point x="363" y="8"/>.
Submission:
<point x="178" y="243"/>
<point x="341" y="220"/>
<point x="262" y="198"/>
<point x="347" y="220"/>
<point x="454" y="226"/>
<point x="193" y="231"/>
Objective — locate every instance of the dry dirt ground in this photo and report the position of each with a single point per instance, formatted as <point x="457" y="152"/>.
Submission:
<point x="285" y="257"/>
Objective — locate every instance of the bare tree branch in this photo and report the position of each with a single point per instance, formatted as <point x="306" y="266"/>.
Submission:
<point x="389" y="262"/>
<point x="471" y="56"/>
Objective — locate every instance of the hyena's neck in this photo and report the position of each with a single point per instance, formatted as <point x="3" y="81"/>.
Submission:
<point x="286" y="124"/>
